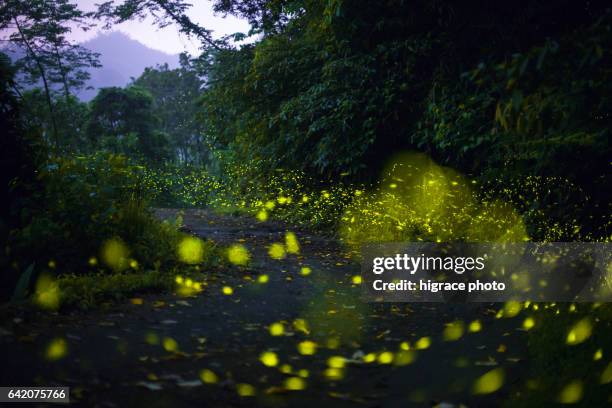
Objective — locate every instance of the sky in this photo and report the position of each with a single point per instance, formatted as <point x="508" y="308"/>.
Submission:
<point x="168" y="40"/>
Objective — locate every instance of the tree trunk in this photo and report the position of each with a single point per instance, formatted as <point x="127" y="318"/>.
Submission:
<point x="45" y="83"/>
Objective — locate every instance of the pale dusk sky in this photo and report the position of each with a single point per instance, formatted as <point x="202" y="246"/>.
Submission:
<point x="169" y="39"/>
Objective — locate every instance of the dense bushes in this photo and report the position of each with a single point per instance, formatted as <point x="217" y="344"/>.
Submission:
<point x="540" y="114"/>
<point x="90" y="215"/>
<point x="338" y="88"/>
<point x="84" y="201"/>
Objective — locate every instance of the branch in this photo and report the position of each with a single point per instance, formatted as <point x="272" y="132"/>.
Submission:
<point x="187" y="25"/>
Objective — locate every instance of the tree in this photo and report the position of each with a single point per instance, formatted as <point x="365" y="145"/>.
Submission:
<point x="175" y="94"/>
<point x="337" y="86"/>
<point x="21" y="155"/>
<point x="70" y="116"/>
<point x="122" y="121"/>
<point x="163" y="12"/>
<point x="38" y="29"/>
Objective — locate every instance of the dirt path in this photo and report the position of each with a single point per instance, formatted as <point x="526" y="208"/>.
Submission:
<point x="113" y="360"/>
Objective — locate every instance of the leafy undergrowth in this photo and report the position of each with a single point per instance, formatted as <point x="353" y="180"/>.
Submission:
<point x="87" y="234"/>
<point x="90" y="291"/>
<point x="567" y="361"/>
<point x="416" y="199"/>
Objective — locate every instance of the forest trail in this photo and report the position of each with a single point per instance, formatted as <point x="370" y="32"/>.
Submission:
<point x="112" y="360"/>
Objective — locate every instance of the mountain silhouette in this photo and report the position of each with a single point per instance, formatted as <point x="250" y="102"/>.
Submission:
<point x="122" y="58"/>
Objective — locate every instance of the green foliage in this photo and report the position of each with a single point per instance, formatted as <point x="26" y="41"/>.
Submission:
<point x="39" y="28"/>
<point x="90" y="291"/>
<point x="307" y="98"/>
<point x="539" y="115"/>
<point x="85" y="201"/>
<point x="122" y="121"/>
<point x="530" y="113"/>
<point x="549" y="352"/>
<point x="287" y="195"/>
<point x="333" y="88"/>
<point x="336" y="89"/>
<point x="69" y="115"/>
<point x="175" y="92"/>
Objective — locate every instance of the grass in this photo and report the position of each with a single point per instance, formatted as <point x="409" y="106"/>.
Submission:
<point x="90" y="291"/>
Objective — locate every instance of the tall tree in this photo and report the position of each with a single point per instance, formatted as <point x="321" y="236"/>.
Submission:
<point x="175" y="95"/>
<point x="38" y="29"/>
<point x="122" y="121"/>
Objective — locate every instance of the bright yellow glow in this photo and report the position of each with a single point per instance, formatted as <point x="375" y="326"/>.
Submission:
<point x="115" y="254"/>
<point x="571" y="393"/>
<point x="475" y="326"/>
<point x="47" y="292"/>
<point x="208" y="376"/>
<point x="269" y="358"/>
<point x="262" y="216"/>
<point x="277" y="251"/>
<point x="334" y="373"/>
<point x="598" y="355"/>
<point x="336" y="362"/>
<point x="305" y="271"/>
<point x="489" y="382"/>
<point x="528" y="323"/>
<point x="295" y="383"/>
<point x="301" y="325"/>
<point x="369" y="358"/>
<point x="277" y="329"/>
<point x="307" y="347"/>
<point x="291" y="243"/>
<point x="227" y="290"/>
<point x="423" y="343"/>
<point x="580" y="332"/>
<point x="453" y="331"/>
<point x="512" y="308"/>
<point x="386" y="357"/>
<point x="245" y="390"/>
<point x="238" y="255"/>
<point x="191" y="250"/>
<point x="170" y="344"/>
<point x="356" y="280"/>
<point x="419" y="200"/>
<point x="56" y="349"/>
<point x="263" y="278"/>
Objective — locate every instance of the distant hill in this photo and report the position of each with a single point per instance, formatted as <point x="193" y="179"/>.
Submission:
<point x="122" y="58"/>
